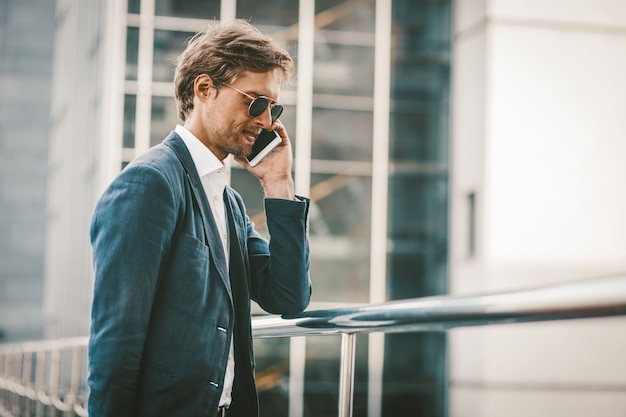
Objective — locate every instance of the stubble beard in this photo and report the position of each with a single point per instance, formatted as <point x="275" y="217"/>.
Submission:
<point x="233" y="143"/>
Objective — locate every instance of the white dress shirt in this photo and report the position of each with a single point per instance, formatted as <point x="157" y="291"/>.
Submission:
<point x="214" y="177"/>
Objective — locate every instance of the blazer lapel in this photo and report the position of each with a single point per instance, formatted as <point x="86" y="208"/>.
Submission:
<point x="210" y="227"/>
<point x="236" y="220"/>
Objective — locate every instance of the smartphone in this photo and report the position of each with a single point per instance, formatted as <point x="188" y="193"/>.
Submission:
<point x="267" y="140"/>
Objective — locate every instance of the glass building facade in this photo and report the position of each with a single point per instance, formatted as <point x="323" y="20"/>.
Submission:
<point x="368" y="118"/>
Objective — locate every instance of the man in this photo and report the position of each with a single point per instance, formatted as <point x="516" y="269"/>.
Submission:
<point x="176" y="259"/>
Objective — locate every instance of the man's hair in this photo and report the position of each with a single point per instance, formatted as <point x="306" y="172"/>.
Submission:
<point x="223" y="53"/>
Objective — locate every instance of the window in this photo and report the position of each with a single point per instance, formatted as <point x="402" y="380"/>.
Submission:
<point x="376" y="172"/>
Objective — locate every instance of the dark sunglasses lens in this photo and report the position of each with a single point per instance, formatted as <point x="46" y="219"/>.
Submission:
<point x="276" y="111"/>
<point x="258" y="106"/>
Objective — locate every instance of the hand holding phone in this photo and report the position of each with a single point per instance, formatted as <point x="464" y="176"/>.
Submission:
<point x="265" y="142"/>
<point x="275" y="176"/>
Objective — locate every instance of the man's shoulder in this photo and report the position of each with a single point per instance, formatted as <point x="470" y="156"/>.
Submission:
<point x="162" y="158"/>
<point x="157" y="156"/>
<point x="157" y="167"/>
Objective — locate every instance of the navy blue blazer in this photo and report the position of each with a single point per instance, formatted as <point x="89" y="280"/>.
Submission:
<point x="165" y="308"/>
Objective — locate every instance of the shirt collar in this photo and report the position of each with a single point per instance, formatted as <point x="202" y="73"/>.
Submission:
<point x="205" y="161"/>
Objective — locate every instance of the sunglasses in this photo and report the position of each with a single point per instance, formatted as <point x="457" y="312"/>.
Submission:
<point x="259" y="104"/>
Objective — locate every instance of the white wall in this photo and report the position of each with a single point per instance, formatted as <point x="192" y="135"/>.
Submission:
<point x="539" y="134"/>
<point x="73" y="164"/>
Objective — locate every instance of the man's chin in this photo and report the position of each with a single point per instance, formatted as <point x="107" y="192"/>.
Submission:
<point x="242" y="152"/>
<point x="241" y="155"/>
<point x="246" y="152"/>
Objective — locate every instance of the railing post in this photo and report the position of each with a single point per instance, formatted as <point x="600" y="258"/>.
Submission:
<point x="27" y="365"/>
<point x="55" y="372"/>
<point x="40" y="373"/>
<point x="346" y="375"/>
<point x="72" y="397"/>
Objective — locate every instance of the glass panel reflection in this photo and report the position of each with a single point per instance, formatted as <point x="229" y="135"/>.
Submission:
<point x="321" y="389"/>
<point x="419" y="148"/>
<point x="342" y="135"/>
<point x="132" y="52"/>
<point x="199" y="9"/>
<point x="274" y="13"/>
<point x="343" y="69"/>
<point x="133" y="6"/>
<point x="130" y="110"/>
<point x="163" y="120"/>
<point x="413" y="383"/>
<point x="339" y="224"/>
<point x="413" y="125"/>
<point x="272" y="376"/>
<point x="345" y="15"/>
<point x="342" y="279"/>
<point x="167" y="46"/>
<point x="341" y="205"/>
<point x="414" y="376"/>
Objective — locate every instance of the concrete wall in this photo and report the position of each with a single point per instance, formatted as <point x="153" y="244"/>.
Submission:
<point x="539" y="135"/>
<point x="26" y="39"/>
<point x="78" y="143"/>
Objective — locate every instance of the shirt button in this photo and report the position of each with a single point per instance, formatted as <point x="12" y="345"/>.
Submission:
<point x="215" y="197"/>
<point x="227" y="393"/>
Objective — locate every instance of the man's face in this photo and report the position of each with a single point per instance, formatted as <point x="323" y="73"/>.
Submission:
<point x="227" y="126"/>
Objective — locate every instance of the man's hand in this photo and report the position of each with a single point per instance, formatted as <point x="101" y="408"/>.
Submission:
<point x="274" y="171"/>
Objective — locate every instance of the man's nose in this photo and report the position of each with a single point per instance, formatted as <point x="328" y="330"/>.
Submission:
<point x="265" y="119"/>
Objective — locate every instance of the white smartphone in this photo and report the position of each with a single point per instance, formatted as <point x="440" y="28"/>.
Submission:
<point x="267" y="140"/>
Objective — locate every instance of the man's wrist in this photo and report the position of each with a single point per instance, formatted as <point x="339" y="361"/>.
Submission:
<point x="281" y="187"/>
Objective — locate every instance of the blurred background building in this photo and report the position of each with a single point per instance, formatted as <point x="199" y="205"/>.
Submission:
<point x="448" y="147"/>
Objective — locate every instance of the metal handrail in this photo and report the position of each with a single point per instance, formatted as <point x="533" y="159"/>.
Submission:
<point x="601" y="297"/>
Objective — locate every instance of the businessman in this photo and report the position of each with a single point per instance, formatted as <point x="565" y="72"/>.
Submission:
<point x="176" y="258"/>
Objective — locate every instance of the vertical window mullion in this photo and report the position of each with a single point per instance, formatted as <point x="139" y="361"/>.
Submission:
<point x="113" y="99"/>
<point x="302" y="166"/>
<point x="304" y="97"/>
<point x="144" y="76"/>
<point x="228" y="10"/>
<point x="380" y="179"/>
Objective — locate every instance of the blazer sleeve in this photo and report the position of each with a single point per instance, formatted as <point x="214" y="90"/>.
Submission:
<point x="131" y="231"/>
<point x="280" y="278"/>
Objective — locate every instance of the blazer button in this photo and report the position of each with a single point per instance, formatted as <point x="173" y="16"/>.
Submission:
<point x="215" y="384"/>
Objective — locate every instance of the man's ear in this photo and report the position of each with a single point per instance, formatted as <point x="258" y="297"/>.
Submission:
<point x="202" y="86"/>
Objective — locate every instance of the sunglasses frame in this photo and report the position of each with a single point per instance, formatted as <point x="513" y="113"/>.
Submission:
<point x="272" y="104"/>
